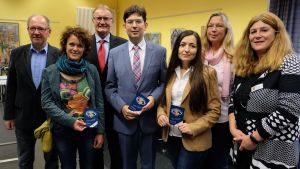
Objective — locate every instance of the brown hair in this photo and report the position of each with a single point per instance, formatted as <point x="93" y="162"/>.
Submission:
<point x="80" y="33"/>
<point x="141" y="11"/>
<point x="198" y="93"/>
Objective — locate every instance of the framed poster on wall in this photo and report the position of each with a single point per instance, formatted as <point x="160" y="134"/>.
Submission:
<point x="153" y="37"/>
<point x="9" y="39"/>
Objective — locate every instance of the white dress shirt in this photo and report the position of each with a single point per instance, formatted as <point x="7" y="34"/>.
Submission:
<point x="177" y="93"/>
<point x="142" y="52"/>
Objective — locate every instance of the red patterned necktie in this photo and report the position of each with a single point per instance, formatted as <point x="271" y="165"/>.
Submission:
<point x="137" y="64"/>
<point x="101" y="55"/>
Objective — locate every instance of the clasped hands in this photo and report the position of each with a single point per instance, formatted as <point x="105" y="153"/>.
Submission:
<point x="130" y="115"/>
<point x="245" y="142"/>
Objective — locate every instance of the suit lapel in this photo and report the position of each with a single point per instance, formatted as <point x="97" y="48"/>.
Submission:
<point x="169" y="90"/>
<point x="93" y="55"/>
<point x="147" y="61"/>
<point x="126" y="60"/>
<point x="28" y="65"/>
<point x="112" y="43"/>
<point x="50" y="56"/>
<point x="56" y="81"/>
<point x="186" y="91"/>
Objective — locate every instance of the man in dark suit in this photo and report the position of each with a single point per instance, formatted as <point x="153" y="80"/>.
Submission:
<point x="22" y="109"/>
<point x="136" y="67"/>
<point x="103" y="19"/>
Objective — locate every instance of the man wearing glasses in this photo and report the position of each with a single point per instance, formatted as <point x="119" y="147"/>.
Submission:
<point x="22" y="109"/>
<point x="102" y="42"/>
<point x="137" y="71"/>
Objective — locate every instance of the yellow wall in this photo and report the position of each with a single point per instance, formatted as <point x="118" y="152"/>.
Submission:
<point x="61" y="13"/>
<point x="192" y="14"/>
<point x="163" y="15"/>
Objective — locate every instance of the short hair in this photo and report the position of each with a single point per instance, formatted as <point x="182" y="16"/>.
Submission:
<point x="245" y="58"/>
<point x="135" y="9"/>
<point x="80" y="33"/>
<point x="43" y="16"/>
<point x="103" y="7"/>
<point x="227" y="43"/>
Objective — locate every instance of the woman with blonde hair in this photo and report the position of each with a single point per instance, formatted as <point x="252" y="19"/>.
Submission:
<point x="217" y="50"/>
<point x="264" y="107"/>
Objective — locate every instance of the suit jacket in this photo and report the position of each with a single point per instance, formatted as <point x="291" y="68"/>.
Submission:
<point x="23" y="100"/>
<point x="93" y="56"/>
<point x="199" y="122"/>
<point x="121" y="87"/>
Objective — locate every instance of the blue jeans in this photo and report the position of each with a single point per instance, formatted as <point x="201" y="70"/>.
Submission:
<point x="68" y="141"/>
<point x="221" y="142"/>
<point x="26" y="148"/>
<point x="182" y="158"/>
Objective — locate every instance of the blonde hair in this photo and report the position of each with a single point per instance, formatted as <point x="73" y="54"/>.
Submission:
<point x="227" y="43"/>
<point x="245" y="59"/>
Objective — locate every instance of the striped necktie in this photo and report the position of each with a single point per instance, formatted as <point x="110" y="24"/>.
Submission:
<point x="137" y="64"/>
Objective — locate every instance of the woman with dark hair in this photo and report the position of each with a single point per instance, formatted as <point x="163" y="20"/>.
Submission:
<point x="71" y="92"/>
<point x="192" y="88"/>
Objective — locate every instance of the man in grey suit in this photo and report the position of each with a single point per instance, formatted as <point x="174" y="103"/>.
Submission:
<point x="22" y="108"/>
<point x="102" y="20"/>
<point x="136" y="67"/>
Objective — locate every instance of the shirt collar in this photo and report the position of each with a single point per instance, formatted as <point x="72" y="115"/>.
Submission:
<point x="177" y="71"/>
<point x="45" y="49"/>
<point x="142" y="45"/>
<point x="98" y="38"/>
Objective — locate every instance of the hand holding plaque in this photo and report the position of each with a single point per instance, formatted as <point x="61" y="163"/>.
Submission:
<point x="176" y="114"/>
<point x="138" y="103"/>
<point x="91" y="117"/>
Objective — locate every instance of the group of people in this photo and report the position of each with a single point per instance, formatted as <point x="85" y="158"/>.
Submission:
<point x="242" y="100"/>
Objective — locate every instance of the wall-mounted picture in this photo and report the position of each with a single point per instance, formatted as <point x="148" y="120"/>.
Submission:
<point x="9" y="39"/>
<point x="174" y="34"/>
<point x="153" y="37"/>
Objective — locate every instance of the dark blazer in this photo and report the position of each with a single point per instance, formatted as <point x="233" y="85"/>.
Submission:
<point x="121" y="88"/>
<point x="93" y="56"/>
<point x="23" y="100"/>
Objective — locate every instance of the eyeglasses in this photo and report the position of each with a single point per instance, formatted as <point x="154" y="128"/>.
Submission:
<point x="217" y="26"/>
<point x="131" y="22"/>
<point x="105" y="19"/>
<point x="39" y="29"/>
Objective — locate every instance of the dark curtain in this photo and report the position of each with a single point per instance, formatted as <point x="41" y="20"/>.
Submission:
<point x="289" y="12"/>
